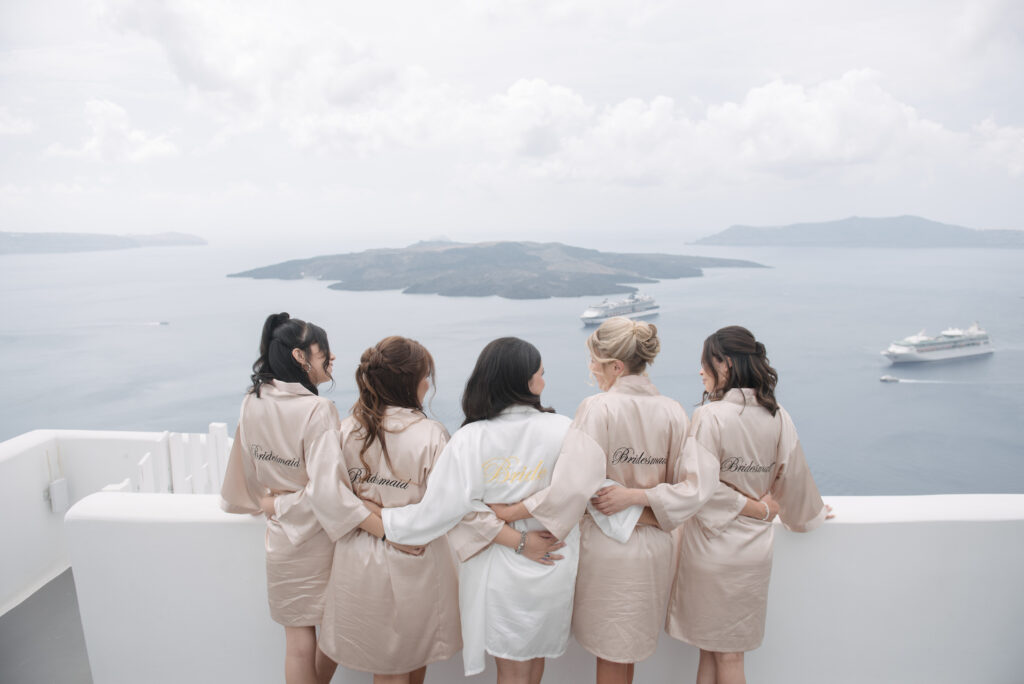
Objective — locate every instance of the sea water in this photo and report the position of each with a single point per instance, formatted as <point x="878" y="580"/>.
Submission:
<point x="161" y="339"/>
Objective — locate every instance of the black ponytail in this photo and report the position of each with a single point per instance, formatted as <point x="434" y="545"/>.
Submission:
<point x="282" y="334"/>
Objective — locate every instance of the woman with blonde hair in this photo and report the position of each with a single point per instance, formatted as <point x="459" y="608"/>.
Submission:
<point x="391" y="609"/>
<point x="626" y="565"/>
<point x="719" y="597"/>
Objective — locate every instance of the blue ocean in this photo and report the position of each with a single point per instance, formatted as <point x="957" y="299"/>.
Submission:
<point x="161" y="339"/>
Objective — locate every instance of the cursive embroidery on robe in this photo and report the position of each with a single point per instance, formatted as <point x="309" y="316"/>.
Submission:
<point x="738" y="465"/>
<point x="263" y="454"/>
<point x="629" y="455"/>
<point x="361" y="475"/>
<point x="510" y="470"/>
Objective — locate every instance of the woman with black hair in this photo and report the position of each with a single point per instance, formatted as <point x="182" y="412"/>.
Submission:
<point x="515" y="600"/>
<point x="719" y="596"/>
<point x="284" y="430"/>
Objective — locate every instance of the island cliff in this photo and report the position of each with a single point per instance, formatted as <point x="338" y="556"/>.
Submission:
<point x="515" y="270"/>
<point x="52" y="243"/>
<point x="856" y="231"/>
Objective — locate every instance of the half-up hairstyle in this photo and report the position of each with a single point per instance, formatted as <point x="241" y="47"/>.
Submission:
<point x="501" y="378"/>
<point x="634" y="343"/>
<point x="749" y="365"/>
<point x="389" y="374"/>
<point x="282" y="334"/>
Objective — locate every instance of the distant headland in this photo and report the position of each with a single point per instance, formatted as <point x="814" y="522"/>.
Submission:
<point x="514" y="270"/>
<point x="44" y="243"/>
<point x="896" y="231"/>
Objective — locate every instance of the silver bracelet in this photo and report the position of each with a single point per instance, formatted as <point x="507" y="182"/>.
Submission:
<point x="522" y="542"/>
<point x="767" y="511"/>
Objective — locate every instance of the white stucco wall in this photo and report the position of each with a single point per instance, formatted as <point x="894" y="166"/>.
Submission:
<point x="895" y="589"/>
<point x="35" y="550"/>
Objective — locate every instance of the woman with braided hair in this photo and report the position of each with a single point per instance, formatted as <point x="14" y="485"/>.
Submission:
<point x="391" y="609"/>
<point x="285" y="432"/>
<point x="720" y="593"/>
<point x="626" y="443"/>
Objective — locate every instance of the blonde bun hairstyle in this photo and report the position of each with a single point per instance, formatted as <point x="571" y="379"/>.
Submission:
<point x="634" y="343"/>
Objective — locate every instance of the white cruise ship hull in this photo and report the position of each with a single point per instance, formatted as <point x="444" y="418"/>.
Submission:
<point x="908" y="355"/>
<point x="598" y="320"/>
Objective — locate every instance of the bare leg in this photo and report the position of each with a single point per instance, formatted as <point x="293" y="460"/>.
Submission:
<point x="613" y="673"/>
<point x="325" y="667"/>
<point x="730" y="668"/>
<point x="706" y="671"/>
<point x="632" y="670"/>
<point x="514" y="671"/>
<point x="391" y="679"/>
<point x="300" y="655"/>
<point x="417" y="676"/>
<point x="536" y="670"/>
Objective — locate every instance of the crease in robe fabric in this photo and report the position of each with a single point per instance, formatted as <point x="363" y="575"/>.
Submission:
<point x="720" y="591"/>
<point x="386" y="611"/>
<point x="281" y="436"/>
<point x="511" y="607"/>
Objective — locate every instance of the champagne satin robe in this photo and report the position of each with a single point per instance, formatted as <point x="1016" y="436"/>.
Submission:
<point x="388" y="612"/>
<point x="282" y="435"/>
<point x="719" y="597"/>
<point x="511" y="607"/>
<point x="633" y="435"/>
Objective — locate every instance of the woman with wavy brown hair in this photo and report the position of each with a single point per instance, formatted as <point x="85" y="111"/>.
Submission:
<point x="391" y="609"/>
<point x="720" y="593"/>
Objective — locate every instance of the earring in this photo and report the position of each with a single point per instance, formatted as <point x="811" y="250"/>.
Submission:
<point x="306" y="367"/>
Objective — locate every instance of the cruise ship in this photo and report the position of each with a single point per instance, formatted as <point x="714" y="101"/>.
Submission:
<point x="952" y="343"/>
<point x="633" y="306"/>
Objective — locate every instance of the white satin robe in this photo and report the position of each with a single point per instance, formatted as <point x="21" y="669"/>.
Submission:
<point x="386" y="611"/>
<point x="632" y="435"/>
<point x="511" y="607"/>
<point x="281" y="436"/>
<point x="720" y="593"/>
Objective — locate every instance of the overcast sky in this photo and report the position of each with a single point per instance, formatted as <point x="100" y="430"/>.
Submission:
<point x="596" y="122"/>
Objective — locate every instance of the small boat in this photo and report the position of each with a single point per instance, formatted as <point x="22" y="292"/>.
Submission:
<point x="633" y="306"/>
<point x="889" y="378"/>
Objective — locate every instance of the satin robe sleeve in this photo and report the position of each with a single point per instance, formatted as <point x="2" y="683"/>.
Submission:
<point x="477" y="530"/>
<point x="327" y="500"/>
<point x="240" y="491"/>
<point x="578" y="472"/>
<point x="455" y="488"/>
<point x="800" y="506"/>
<point x="474" y="533"/>
<point x="694" y="478"/>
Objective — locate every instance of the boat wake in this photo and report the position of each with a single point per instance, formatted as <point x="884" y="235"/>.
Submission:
<point x="913" y="381"/>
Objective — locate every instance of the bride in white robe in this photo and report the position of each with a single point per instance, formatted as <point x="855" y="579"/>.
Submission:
<point x="515" y="595"/>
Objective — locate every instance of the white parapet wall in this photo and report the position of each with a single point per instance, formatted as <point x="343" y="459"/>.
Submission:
<point x="82" y="462"/>
<point x="895" y="589"/>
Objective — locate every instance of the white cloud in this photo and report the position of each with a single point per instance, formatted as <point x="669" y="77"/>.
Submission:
<point x="1004" y="145"/>
<point x="114" y="139"/>
<point x="11" y="124"/>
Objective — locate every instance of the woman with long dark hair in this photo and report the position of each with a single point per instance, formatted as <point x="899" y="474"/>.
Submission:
<point x="515" y="600"/>
<point x="391" y="609"/>
<point x="720" y="593"/>
<point x="284" y="430"/>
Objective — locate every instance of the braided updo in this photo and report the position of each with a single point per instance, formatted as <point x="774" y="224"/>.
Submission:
<point x="389" y="374"/>
<point x="634" y="343"/>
